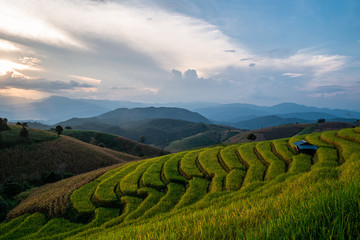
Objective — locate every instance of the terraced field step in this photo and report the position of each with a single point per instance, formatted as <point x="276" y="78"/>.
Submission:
<point x="129" y="185"/>
<point x="256" y="170"/>
<point x="188" y="165"/>
<point x="276" y="166"/>
<point x="208" y="159"/>
<point x="136" y="192"/>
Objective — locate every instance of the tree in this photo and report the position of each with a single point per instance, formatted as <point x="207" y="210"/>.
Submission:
<point x="68" y="127"/>
<point x="321" y="120"/>
<point x="357" y="123"/>
<point x="142" y="139"/>
<point x="59" y="129"/>
<point x="251" y="137"/>
<point x="23" y="132"/>
<point x="3" y="127"/>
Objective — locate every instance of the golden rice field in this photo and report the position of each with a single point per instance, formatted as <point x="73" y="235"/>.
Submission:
<point x="262" y="190"/>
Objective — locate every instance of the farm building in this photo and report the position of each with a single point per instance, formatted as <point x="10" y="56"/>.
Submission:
<point x="305" y="147"/>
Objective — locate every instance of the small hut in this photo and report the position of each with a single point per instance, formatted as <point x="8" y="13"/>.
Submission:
<point x="305" y="147"/>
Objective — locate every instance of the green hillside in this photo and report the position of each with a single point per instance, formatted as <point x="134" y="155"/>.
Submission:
<point x="259" y="190"/>
<point x="115" y="142"/>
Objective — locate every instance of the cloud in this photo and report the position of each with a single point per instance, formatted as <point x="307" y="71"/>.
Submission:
<point x="293" y="75"/>
<point x="7" y="46"/>
<point x="40" y="84"/>
<point x="252" y="64"/>
<point x="230" y="51"/>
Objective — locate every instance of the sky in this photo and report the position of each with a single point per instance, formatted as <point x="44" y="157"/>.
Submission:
<point x="247" y="51"/>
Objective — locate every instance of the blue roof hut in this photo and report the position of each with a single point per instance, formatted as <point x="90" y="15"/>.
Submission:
<point x="305" y="147"/>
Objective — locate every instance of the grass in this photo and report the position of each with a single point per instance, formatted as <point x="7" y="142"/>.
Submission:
<point x="301" y="163"/>
<point x="234" y="179"/>
<point x="12" y="138"/>
<point x="152" y="197"/>
<point x="171" y="169"/>
<point x="7" y="227"/>
<point x="54" y="227"/>
<point x="346" y="148"/>
<point x="326" y="157"/>
<point x="210" y="163"/>
<point x="188" y="165"/>
<point x="131" y="204"/>
<point x="315" y="199"/>
<point x="197" y="190"/>
<point x="309" y="129"/>
<point x="256" y="170"/>
<point x="114" y="142"/>
<point x="30" y="225"/>
<point x="349" y="134"/>
<point x="61" y="155"/>
<point x="152" y="175"/>
<point x="276" y="166"/>
<point x="314" y="139"/>
<point x="281" y="148"/>
<point x="104" y="194"/>
<point x="229" y="157"/>
<point x="54" y="199"/>
<point x="130" y="184"/>
<point x="167" y="202"/>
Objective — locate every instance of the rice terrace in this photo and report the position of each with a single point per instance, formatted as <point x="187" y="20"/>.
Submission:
<point x="256" y="190"/>
<point x="179" y="120"/>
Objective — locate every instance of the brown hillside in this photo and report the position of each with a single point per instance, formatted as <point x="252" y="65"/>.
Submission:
<point x="66" y="154"/>
<point x="53" y="199"/>
<point x="285" y="131"/>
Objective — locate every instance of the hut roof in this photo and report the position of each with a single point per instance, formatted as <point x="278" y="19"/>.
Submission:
<point x="305" y="145"/>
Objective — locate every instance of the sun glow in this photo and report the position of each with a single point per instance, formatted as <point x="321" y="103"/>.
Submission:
<point x="25" y="93"/>
<point x="9" y="66"/>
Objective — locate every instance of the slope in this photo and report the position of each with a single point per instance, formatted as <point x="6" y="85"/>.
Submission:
<point x="29" y="159"/>
<point x="158" y="132"/>
<point x="288" y="130"/>
<point x="259" y="190"/>
<point x="115" y="142"/>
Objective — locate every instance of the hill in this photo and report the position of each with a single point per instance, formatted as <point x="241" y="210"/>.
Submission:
<point x="261" y="190"/>
<point x="43" y="152"/>
<point x="126" y="115"/>
<point x="157" y="132"/>
<point x="268" y="121"/>
<point x="233" y="113"/>
<point x="288" y="130"/>
<point x="115" y="142"/>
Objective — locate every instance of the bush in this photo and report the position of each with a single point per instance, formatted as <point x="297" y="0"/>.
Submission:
<point x="11" y="188"/>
